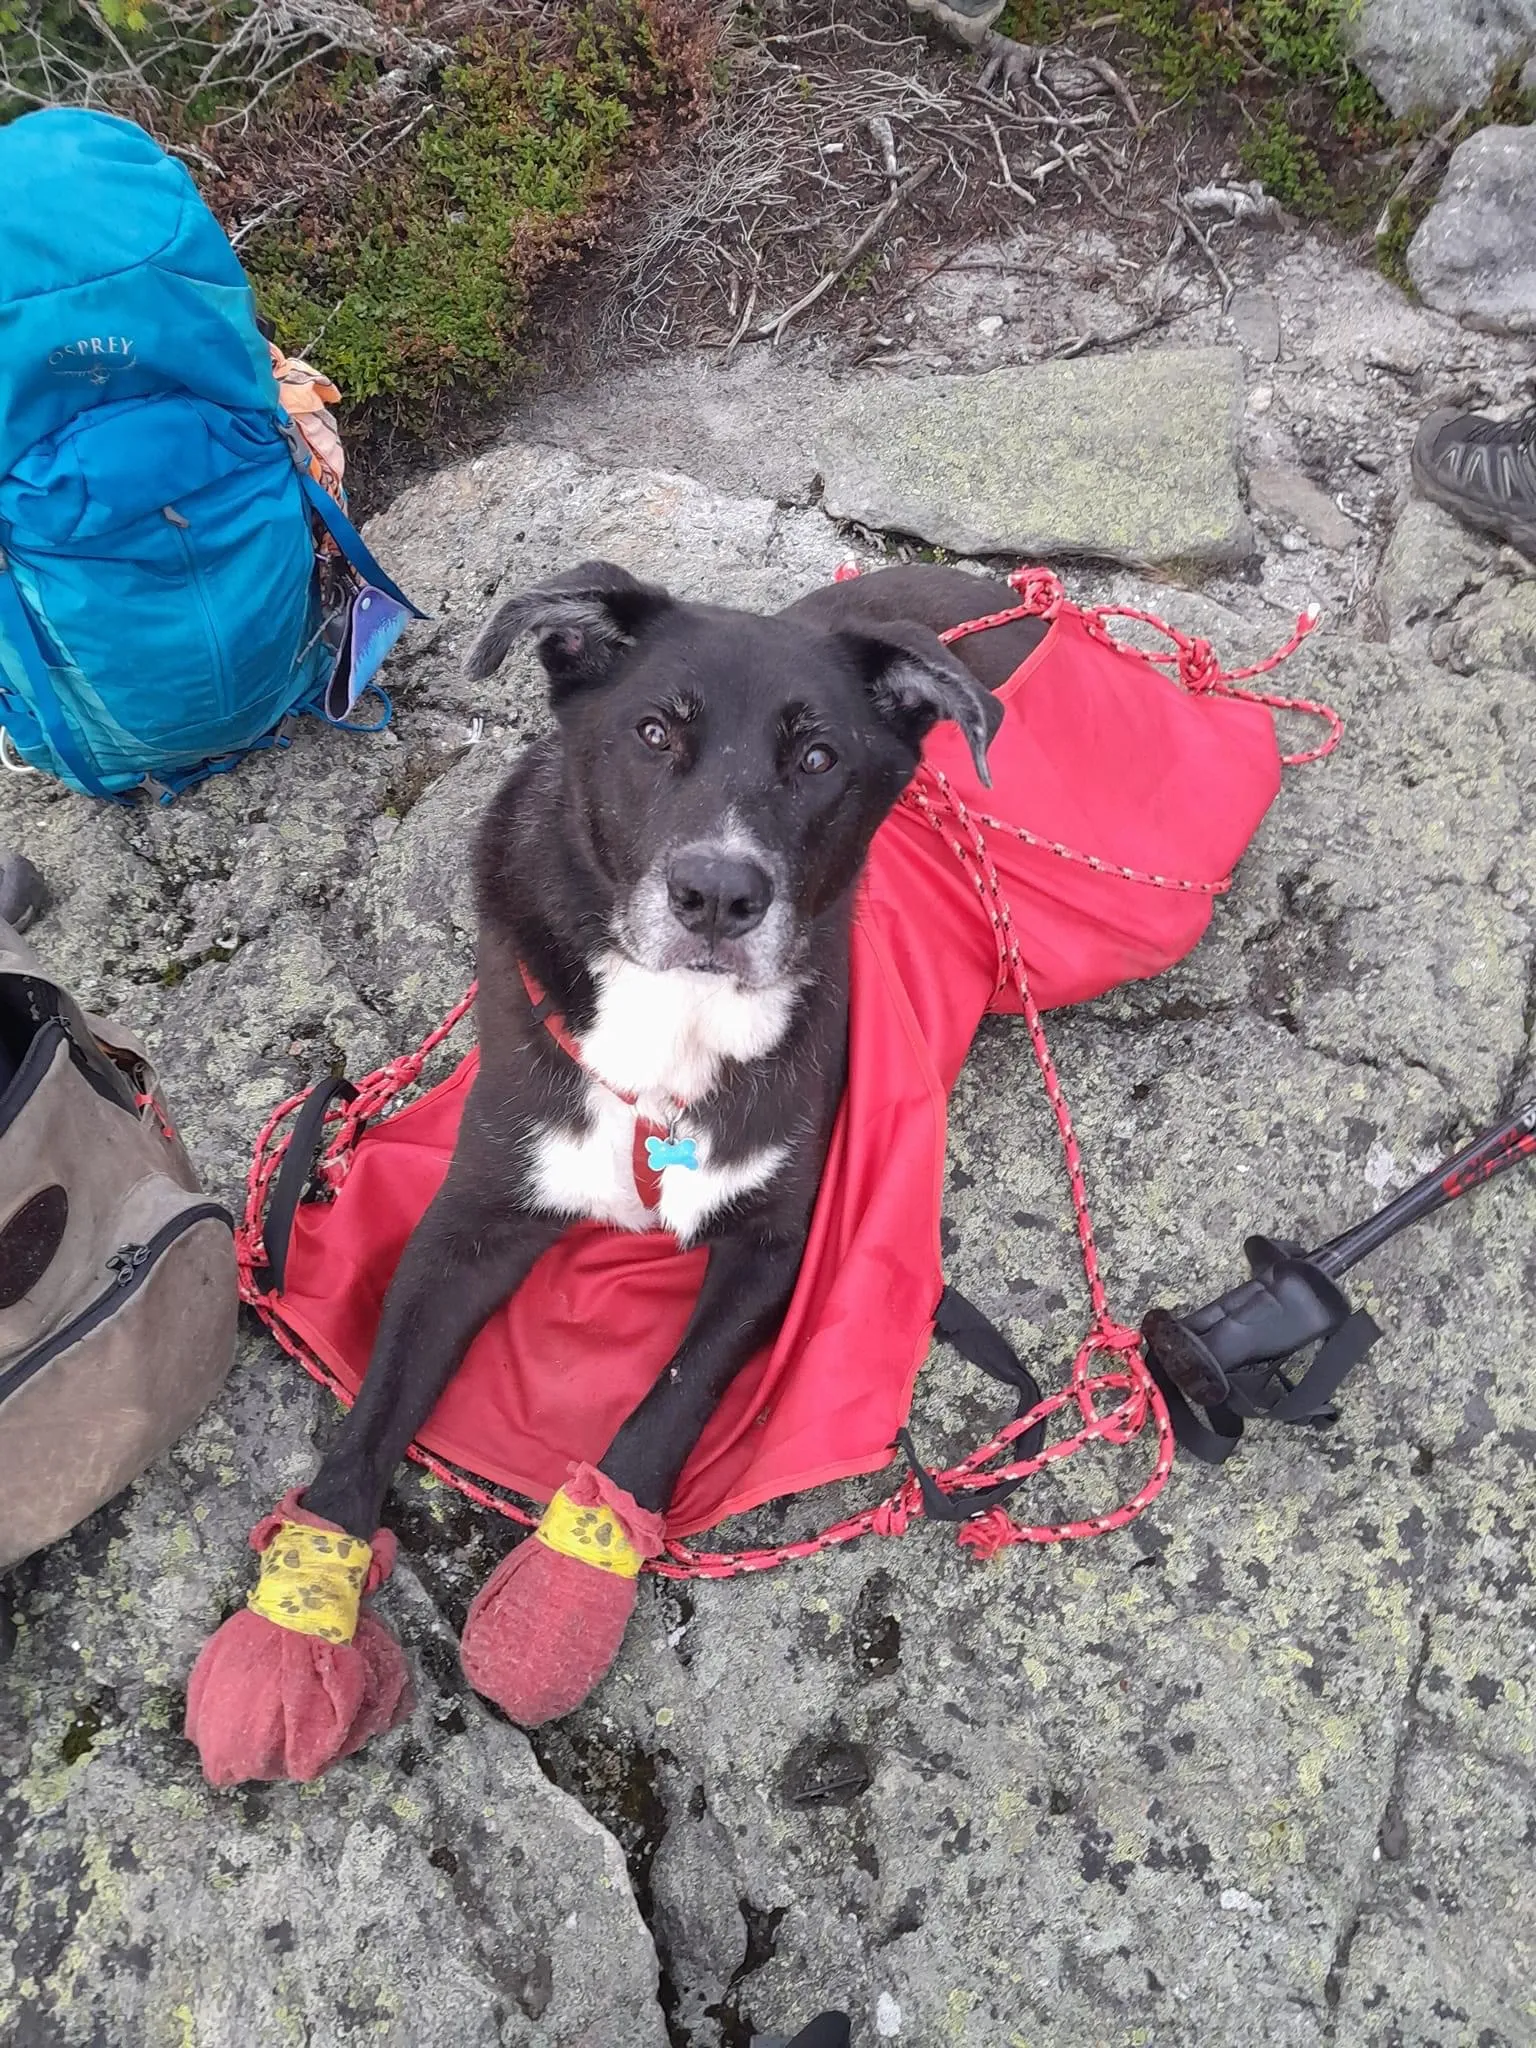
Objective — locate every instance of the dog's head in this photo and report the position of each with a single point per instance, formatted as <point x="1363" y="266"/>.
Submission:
<point x="726" y="772"/>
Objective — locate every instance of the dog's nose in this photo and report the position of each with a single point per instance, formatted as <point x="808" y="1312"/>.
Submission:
<point x="717" y="895"/>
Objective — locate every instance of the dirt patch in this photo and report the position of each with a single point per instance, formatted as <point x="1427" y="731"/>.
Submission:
<point x="851" y="151"/>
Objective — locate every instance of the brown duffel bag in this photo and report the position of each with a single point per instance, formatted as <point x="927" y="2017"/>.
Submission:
<point x="117" y="1275"/>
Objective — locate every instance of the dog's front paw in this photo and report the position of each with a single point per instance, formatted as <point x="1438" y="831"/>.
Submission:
<point x="299" y="1677"/>
<point x="548" y="1622"/>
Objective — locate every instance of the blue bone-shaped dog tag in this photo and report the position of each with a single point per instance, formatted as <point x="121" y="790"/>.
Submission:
<point x="660" y="1152"/>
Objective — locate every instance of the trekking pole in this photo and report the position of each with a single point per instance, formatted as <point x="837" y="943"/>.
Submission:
<point x="1228" y="1357"/>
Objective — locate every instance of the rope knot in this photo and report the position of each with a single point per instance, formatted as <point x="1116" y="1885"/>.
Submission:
<point x="1038" y="590"/>
<point x="989" y="1534"/>
<point x="1199" y="670"/>
<point x="890" y="1518"/>
<point x="1108" y="1335"/>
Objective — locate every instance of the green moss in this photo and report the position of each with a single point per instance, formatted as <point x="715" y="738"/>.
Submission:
<point x="1035" y="21"/>
<point x="1288" y="166"/>
<point x="1509" y="105"/>
<point x="864" y="272"/>
<point x="421" y="276"/>
<point x="415" y="276"/>
<point x="1192" y="48"/>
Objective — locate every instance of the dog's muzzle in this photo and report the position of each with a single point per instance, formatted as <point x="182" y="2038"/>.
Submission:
<point x="717" y="909"/>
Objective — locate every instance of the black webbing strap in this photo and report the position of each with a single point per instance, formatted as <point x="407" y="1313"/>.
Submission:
<point x="293" y="1175"/>
<point x="1337" y="1357"/>
<point x="1212" y="1441"/>
<point x="827" y="2030"/>
<point x="960" y="1323"/>
<point x="1306" y="1403"/>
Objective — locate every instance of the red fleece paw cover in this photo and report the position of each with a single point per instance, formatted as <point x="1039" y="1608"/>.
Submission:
<point x="265" y="1702"/>
<point x="546" y="1626"/>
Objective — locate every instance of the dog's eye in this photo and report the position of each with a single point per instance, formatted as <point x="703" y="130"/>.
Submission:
<point x="654" y="733"/>
<point x="817" y="760"/>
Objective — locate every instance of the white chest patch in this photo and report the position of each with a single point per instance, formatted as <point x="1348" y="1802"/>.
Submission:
<point x="669" y="1034"/>
<point x="661" y="1038"/>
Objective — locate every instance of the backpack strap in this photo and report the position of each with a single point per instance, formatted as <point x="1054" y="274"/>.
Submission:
<point x="294" y="1175"/>
<point x="352" y="544"/>
<point x="17" y="624"/>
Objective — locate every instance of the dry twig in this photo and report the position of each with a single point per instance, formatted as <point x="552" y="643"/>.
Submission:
<point x="1002" y="160"/>
<point x="1117" y="86"/>
<point x="1182" y="213"/>
<point x="776" y="323"/>
<point x="346" y="165"/>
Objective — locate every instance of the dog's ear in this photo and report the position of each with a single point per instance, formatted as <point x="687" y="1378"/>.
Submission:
<point x="914" y="682"/>
<point x="580" y="620"/>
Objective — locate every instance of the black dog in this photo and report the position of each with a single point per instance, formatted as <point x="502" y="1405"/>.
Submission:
<point x="672" y="872"/>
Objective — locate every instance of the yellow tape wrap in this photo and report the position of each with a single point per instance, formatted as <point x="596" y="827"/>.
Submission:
<point x="593" y="1536"/>
<point x="312" y="1581"/>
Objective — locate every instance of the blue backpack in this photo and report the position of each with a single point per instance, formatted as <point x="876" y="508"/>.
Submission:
<point x="161" y="612"/>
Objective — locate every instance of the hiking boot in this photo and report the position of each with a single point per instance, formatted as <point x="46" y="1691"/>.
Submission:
<point x="1482" y="470"/>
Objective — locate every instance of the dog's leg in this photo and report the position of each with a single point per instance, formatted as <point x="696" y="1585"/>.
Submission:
<point x="549" y="1621"/>
<point x="746" y="1290"/>
<point x="268" y="1698"/>
<point x="467" y="1256"/>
